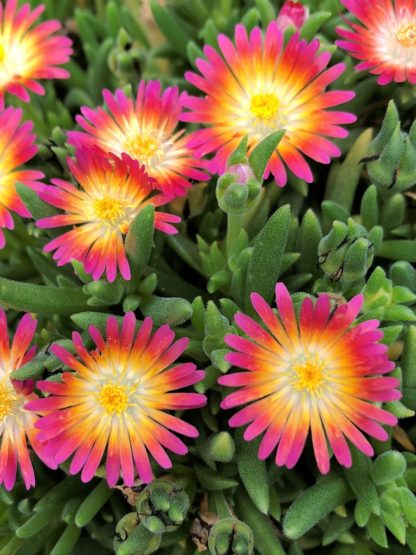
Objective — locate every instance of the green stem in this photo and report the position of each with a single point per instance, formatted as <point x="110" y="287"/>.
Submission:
<point x="28" y="297"/>
<point x="234" y="225"/>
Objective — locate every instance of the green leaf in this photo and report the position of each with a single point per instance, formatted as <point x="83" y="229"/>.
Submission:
<point x="93" y="503"/>
<point x="261" y="154"/>
<point x="387" y="467"/>
<point x="173" y="310"/>
<point x="377" y="531"/>
<point x="239" y="155"/>
<point x="314" y="504"/>
<point x="32" y="369"/>
<point x="213" y="481"/>
<point x="67" y="541"/>
<point x="398" y="249"/>
<point x="408" y="360"/>
<point x="269" y="247"/>
<point x="139" y="240"/>
<point x="265" y="535"/>
<point x="309" y="236"/>
<point x="369" y="208"/>
<point x="313" y="23"/>
<point x="40" y="299"/>
<point x="359" y="480"/>
<point x="349" y="172"/>
<point x="252" y="472"/>
<point x="172" y="27"/>
<point x="34" y="204"/>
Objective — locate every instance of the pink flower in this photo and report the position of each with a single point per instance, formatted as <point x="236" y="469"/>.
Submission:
<point x="115" y="403"/>
<point x="315" y="373"/>
<point x="292" y="14"/>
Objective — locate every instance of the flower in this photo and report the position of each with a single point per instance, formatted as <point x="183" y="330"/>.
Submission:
<point x="16" y="147"/>
<point x="26" y="54"/>
<point x="145" y="130"/>
<point x="16" y="423"/>
<point x="386" y="40"/>
<point x="258" y="87"/>
<point x="113" y="192"/>
<point x="116" y="399"/>
<point x="292" y="14"/>
<point x="315" y="372"/>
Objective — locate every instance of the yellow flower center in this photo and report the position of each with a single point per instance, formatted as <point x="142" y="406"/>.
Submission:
<point x="265" y="106"/>
<point x="113" y="398"/>
<point x="7" y="398"/>
<point x="309" y="374"/>
<point x="143" y="147"/>
<point x="108" y="209"/>
<point x="2" y="53"/>
<point x="406" y="35"/>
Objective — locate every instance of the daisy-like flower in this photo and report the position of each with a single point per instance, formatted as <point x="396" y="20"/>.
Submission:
<point x="16" y="147"/>
<point x="113" y="191"/>
<point x="117" y="400"/>
<point x="145" y="130"/>
<point x="257" y="87"/>
<point x="28" y="54"/>
<point x="16" y="423"/>
<point x="292" y="14"/>
<point x="386" y="40"/>
<point x="318" y="372"/>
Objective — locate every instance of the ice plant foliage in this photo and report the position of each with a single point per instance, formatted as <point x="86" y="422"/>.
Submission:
<point x="292" y="14"/>
<point x="16" y="423"/>
<point x="16" y="148"/>
<point x="145" y="129"/>
<point x="29" y="53"/>
<point x="385" y="39"/>
<point x="113" y="191"/>
<point x="259" y="86"/>
<point x="317" y="373"/>
<point x="116" y="399"/>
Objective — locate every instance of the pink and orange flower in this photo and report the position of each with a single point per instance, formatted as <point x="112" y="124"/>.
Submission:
<point x="28" y="54"/>
<point x="117" y="399"/>
<point x="145" y="130"/>
<point x="259" y="86"/>
<point x="386" y="40"/>
<point x="113" y="191"/>
<point x="16" y="423"/>
<point x="16" y="148"/>
<point x="315" y="373"/>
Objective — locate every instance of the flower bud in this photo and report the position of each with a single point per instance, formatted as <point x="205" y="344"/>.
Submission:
<point x="391" y="156"/>
<point x="237" y="189"/>
<point x="221" y="447"/>
<point x="292" y="14"/>
<point x="230" y="537"/>
<point x="346" y="253"/>
<point x="162" y="506"/>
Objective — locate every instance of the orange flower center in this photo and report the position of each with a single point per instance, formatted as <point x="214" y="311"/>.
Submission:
<point x="108" y="209"/>
<point x="7" y="399"/>
<point x="264" y="106"/>
<point x="143" y="148"/>
<point x="309" y="374"/>
<point x="406" y="35"/>
<point x="113" y="398"/>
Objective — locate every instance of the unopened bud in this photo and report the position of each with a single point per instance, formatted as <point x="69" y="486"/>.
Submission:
<point x="230" y="537"/>
<point x="346" y="253"/>
<point x="292" y="14"/>
<point x="162" y="506"/>
<point x="237" y="189"/>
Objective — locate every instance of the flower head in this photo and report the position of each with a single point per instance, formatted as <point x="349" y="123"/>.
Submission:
<point x="386" y="40"/>
<point x="28" y="54"/>
<point x="259" y="86"/>
<point x="145" y="130"/>
<point x="292" y="14"/>
<point x="16" y="423"/>
<point x="316" y="372"/>
<point x="16" y="147"/>
<point x="113" y="191"/>
<point x="117" y="399"/>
